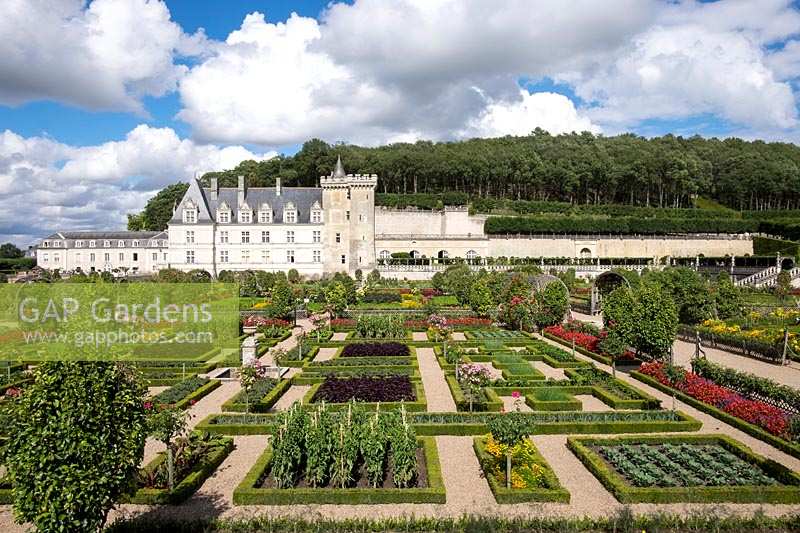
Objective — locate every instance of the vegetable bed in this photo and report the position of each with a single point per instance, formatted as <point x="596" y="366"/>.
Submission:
<point x="691" y="468"/>
<point x="365" y="389"/>
<point x="376" y="349"/>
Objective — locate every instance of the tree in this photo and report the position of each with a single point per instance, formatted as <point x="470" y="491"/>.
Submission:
<point x="552" y="304"/>
<point x="293" y="275"/>
<point x="158" y="210"/>
<point x="783" y="284"/>
<point x="10" y="251"/>
<point x="689" y="292"/>
<point x="618" y="314"/>
<point x="656" y="321"/>
<point x="373" y="277"/>
<point x="336" y="299"/>
<point x="480" y="298"/>
<point x="728" y="298"/>
<point x="508" y="430"/>
<point x="166" y="423"/>
<point x="282" y="300"/>
<point x="75" y="442"/>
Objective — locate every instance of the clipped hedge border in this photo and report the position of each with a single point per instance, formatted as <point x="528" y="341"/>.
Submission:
<point x="188" y="485"/>
<point x="309" y="355"/>
<point x="198" y="394"/>
<point x="754" y="431"/>
<point x="626" y="493"/>
<point x="248" y="494"/>
<point x="553" y="405"/>
<point x="236" y="404"/>
<point x="568" y="428"/>
<point x="578" y="349"/>
<point x="472" y="425"/>
<point x="493" y="402"/>
<point x="554" y="492"/>
<point x="420" y="404"/>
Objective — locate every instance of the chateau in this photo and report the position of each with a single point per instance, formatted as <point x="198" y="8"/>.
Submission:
<point x="334" y="228"/>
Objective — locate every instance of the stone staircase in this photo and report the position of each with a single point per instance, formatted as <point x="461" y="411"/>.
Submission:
<point x="767" y="277"/>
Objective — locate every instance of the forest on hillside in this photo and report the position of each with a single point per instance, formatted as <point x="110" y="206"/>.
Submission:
<point x="578" y="169"/>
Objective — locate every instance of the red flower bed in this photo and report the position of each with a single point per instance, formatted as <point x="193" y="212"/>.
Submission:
<point x="755" y="412"/>
<point x="587" y="341"/>
<point x="343" y="323"/>
<point x="465" y="322"/>
<point x="429" y="292"/>
<point x="256" y="321"/>
<point x="584" y="340"/>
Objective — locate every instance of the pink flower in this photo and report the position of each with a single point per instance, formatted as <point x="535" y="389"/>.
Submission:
<point x="12" y="392"/>
<point x="515" y="394"/>
<point x="148" y="405"/>
<point x="192" y="402"/>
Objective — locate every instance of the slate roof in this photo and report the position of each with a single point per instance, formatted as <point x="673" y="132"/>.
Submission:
<point x="69" y="238"/>
<point x="302" y="198"/>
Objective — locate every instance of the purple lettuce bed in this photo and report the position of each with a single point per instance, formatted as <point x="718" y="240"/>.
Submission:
<point x="365" y="389"/>
<point x="376" y="349"/>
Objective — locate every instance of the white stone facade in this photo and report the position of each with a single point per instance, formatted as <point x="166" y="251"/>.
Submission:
<point x="124" y="252"/>
<point x="332" y="228"/>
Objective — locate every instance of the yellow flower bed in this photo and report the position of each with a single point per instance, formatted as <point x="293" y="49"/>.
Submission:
<point x="525" y="472"/>
<point x="260" y="305"/>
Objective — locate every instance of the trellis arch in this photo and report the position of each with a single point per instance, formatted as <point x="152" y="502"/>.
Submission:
<point x="540" y="281"/>
<point x="604" y="284"/>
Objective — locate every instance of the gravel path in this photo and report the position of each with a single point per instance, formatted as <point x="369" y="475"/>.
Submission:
<point x="419" y="336"/>
<point x="294" y="394"/>
<point x="325" y="354"/>
<point x="509" y="405"/>
<point x="594" y="319"/>
<point x="494" y="373"/>
<point x="590" y="403"/>
<point x="437" y="392"/>
<point x="786" y="375"/>
<point x="458" y="336"/>
<point x="548" y="371"/>
<point x="466" y="488"/>
<point x="152" y="391"/>
<point x="339" y="336"/>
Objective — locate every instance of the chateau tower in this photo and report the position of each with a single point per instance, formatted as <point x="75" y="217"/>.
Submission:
<point x="348" y="201"/>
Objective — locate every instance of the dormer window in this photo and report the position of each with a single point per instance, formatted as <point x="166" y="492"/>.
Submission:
<point x="92" y="244"/>
<point x="289" y="214"/>
<point x="106" y="244"/>
<point x="121" y="244"/>
<point x="56" y="244"/>
<point x="316" y="213"/>
<point x="78" y="244"/>
<point x="265" y="214"/>
<point x="245" y="214"/>
<point x="224" y="214"/>
<point x="190" y="213"/>
<point x="135" y="244"/>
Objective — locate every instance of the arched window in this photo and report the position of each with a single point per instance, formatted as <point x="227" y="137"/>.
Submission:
<point x="472" y="254"/>
<point x="443" y="254"/>
<point x="586" y="253"/>
<point x="415" y="254"/>
<point x="385" y="254"/>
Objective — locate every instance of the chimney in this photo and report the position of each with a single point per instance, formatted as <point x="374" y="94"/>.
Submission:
<point x="277" y="186"/>
<point x="214" y="189"/>
<point x="242" y="190"/>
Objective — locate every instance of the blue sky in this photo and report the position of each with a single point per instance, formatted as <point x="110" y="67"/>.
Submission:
<point x="103" y="102"/>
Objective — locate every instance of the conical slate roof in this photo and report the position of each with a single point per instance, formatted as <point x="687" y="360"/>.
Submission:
<point x="339" y="172"/>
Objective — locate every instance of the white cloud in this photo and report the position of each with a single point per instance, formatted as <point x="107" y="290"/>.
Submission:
<point x="106" y="55"/>
<point x="682" y="71"/>
<point x="376" y="72"/>
<point x="550" y="111"/>
<point x="48" y="186"/>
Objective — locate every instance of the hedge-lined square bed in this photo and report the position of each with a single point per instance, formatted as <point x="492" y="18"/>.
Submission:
<point x="365" y="389"/>
<point x="376" y="349"/>
<point x="691" y="468"/>
<point x="532" y="479"/>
